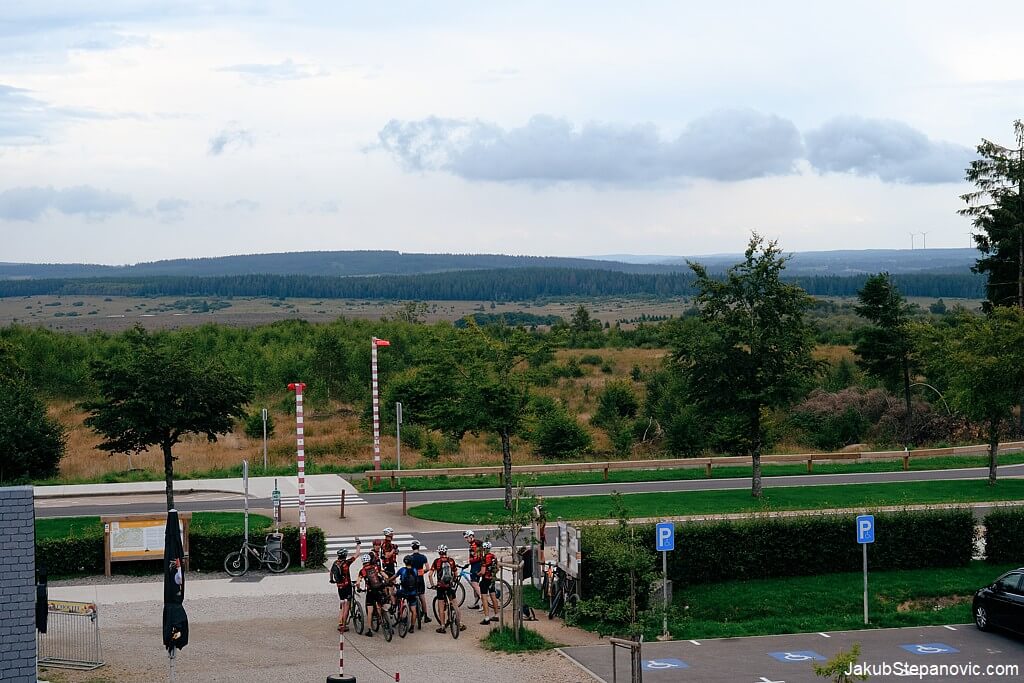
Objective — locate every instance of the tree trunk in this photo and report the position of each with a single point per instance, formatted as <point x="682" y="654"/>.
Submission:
<point x="169" y="475"/>
<point x="993" y="451"/>
<point x="906" y="397"/>
<point x="506" y="462"/>
<point x="755" y="457"/>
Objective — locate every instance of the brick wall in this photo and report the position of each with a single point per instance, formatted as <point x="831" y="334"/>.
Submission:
<point x="17" y="585"/>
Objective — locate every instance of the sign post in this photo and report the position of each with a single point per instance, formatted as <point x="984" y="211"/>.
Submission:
<point x="300" y="448"/>
<point x="264" y="439"/>
<point x="245" y="488"/>
<point x="865" y="535"/>
<point x="665" y="541"/>
<point x="275" y="496"/>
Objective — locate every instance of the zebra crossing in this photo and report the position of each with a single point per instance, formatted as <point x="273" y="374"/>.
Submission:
<point x="325" y="500"/>
<point x="335" y="543"/>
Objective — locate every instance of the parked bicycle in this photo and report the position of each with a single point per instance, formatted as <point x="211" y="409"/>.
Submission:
<point x="271" y="555"/>
<point x="502" y="588"/>
<point x="561" y="591"/>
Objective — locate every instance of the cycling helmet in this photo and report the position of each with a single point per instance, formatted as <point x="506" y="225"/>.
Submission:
<point x="467" y="533"/>
<point x="342" y="553"/>
<point x="415" y="545"/>
<point x="443" y="549"/>
<point x="389" y="532"/>
<point x="366" y="558"/>
<point x="487" y="545"/>
<point x="407" y="559"/>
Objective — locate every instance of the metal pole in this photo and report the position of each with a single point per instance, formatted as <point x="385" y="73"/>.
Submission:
<point x="245" y="486"/>
<point x="664" y="592"/>
<point x="170" y="659"/>
<point x="342" y="515"/>
<point x="376" y="403"/>
<point x="264" y="439"/>
<point x="865" y="547"/>
<point x="301" y="457"/>
<point x="398" y="437"/>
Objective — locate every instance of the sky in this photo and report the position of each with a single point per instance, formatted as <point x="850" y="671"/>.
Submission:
<point x="142" y="130"/>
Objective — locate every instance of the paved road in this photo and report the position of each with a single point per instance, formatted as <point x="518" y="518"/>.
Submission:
<point x="88" y="505"/>
<point x="700" y="484"/>
<point x="789" y="658"/>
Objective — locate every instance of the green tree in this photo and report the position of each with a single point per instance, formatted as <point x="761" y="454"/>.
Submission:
<point x="616" y="402"/>
<point x="554" y="432"/>
<point x="996" y="208"/>
<point x="749" y="350"/>
<point x="581" y="322"/>
<point x="155" y="392"/>
<point x="980" y="362"/>
<point x="253" y="425"/>
<point x="884" y="348"/>
<point x="469" y="381"/>
<point x="31" y="443"/>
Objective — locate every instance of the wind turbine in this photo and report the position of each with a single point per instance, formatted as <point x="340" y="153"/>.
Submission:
<point x="911" y="239"/>
<point x="924" y="240"/>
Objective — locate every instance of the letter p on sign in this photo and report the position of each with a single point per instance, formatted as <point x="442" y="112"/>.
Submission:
<point x="665" y="535"/>
<point x="866" y="529"/>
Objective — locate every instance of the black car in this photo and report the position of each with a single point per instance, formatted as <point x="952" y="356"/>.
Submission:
<point x="1002" y="603"/>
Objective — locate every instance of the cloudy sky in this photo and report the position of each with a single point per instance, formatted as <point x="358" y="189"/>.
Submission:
<point x="154" y="129"/>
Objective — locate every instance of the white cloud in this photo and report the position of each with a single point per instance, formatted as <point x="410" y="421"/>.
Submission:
<point x="230" y="138"/>
<point x="266" y="74"/>
<point x="31" y="203"/>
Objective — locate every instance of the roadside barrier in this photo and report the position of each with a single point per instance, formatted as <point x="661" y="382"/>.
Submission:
<point x="707" y="463"/>
<point x="72" y="638"/>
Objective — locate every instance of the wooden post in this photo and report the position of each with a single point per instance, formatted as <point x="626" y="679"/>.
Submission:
<point x="392" y="479"/>
<point x="606" y="473"/>
<point x="369" y="483"/>
<point x="185" y="521"/>
<point x="501" y="478"/>
<point x="707" y="470"/>
<point x="342" y="515"/>
<point x="810" y="466"/>
<point x="906" y="463"/>
<point x="405" y="492"/>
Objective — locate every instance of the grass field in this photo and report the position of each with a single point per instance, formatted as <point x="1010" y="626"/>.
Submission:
<point x="503" y="640"/>
<point x="62" y="527"/>
<point x="829" y="602"/>
<point x="644" y="505"/>
<point x="686" y="473"/>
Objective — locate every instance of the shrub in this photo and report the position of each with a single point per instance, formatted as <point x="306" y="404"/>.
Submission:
<point x="616" y="401"/>
<point x="591" y="359"/>
<point x="557" y="434"/>
<point x="254" y="425"/>
<point x="431" y="449"/>
<point x="622" y="557"/>
<point x="1004" y="535"/>
<point x="31" y="443"/>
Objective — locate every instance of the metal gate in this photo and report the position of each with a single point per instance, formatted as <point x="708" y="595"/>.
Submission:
<point x="72" y="638"/>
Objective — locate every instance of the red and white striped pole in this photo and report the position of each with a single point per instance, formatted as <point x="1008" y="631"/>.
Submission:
<point x="341" y="654"/>
<point x="297" y="387"/>
<point x="374" y="343"/>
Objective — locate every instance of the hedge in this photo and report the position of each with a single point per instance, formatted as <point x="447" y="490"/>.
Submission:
<point x="1004" y="536"/>
<point x="208" y="545"/>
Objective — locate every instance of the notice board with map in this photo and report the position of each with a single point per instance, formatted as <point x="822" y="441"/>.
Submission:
<point x="139" y="537"/>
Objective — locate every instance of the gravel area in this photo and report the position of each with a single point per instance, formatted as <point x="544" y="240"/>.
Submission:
<point x="293" y="638"/>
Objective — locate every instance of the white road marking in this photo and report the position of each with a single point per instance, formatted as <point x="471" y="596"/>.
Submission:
<point x="695" y="642"/>
<point x="824" y="635"/>
<point x="949" y="627"/>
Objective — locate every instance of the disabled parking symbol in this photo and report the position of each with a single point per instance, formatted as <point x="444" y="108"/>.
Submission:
<point x="664" y="664"/>
<point x="930" y="649"/>
<point x="797" y="656"/>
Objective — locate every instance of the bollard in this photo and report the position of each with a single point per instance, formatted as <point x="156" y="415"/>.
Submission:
<point x="606" y="474"/>
<point x="342" y="515"/>
<point x="707" y="470"/>
<point x="810" y="466"/>
<point x="404" y="501"/>
<point x="906" y="463"/>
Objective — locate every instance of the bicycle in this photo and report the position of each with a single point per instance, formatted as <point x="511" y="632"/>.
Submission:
<point x="356" y="616"/>
<point x="271" y="555"/>
<point x="502" y="588"/>
<point x="563" y="593"/>
<point x="377" y="623"/>
<point x="403" y="617"/>
<point x="453" y="623"/>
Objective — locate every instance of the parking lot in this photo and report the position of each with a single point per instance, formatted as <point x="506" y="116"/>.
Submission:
<point x="933" y="653"/>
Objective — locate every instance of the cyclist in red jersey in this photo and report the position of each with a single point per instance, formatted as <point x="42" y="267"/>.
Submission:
<point x="374" y="582"/>
<point x="442" y="575"/>
<point x="488" y="575"/>
<point x="342" y="578"/>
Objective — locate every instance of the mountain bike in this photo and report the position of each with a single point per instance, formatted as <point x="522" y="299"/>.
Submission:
<point x="403" y="617"/>
<point x="563" y="593"/>
<point x="452" y="622"/>
<point x="381" y="621"/>
<point x="502" y="588"/>
<point x="356" y="615"/>
<point x="272" y="556"/>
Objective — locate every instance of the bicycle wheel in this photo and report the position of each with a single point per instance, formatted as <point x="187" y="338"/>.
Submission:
<point x="504" y="591"/>
<point x="453" y="621"/>
<point x="356" y="616"/>
<point x="403" y="622"/>
<point x="385" y="625"/>
<point x="437" y="616"/>
<point x="460" y="593"/>
<point x="556" y="606"/>
<point x="236" y="563"/>
<point x="278" y="561"/>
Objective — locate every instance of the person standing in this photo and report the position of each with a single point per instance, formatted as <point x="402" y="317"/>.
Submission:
<point x="342" y="578"/>
<point x="540" y="518"/>
<point x="442" y="577"/>
<point x="476" y="557"/>
<point x="488" y="575"/>
<point x="419" y="563"/>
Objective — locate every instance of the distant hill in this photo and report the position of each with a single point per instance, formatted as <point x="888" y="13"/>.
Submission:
<point x="356" y="263"/>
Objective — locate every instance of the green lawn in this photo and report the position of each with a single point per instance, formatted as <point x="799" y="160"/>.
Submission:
<point x="60" y="527"/>
<point x="682" y="473"/>
<point x="503" y="640"/>
<point x="640" y="505"/>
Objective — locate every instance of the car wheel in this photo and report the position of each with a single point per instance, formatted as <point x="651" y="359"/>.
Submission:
<point x="981" y="619"/>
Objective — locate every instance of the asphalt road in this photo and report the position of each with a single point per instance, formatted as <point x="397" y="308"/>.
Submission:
<point x="86" y="505"/>
<point x="942" y="650"/>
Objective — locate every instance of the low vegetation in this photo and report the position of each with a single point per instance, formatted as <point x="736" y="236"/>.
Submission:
<point x="504" y="640"/>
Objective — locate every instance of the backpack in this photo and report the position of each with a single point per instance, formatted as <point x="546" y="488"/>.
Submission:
<point x="492" y="566"/>
<point x="408" y="580"/>
<point x="445" y="574"/>
<point x="373" y="580"/>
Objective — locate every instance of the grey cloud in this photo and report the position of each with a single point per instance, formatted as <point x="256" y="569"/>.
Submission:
<point x="25" y="119"/>
<point x="230" y="138"/>
<point x="171" y="209"/>
<point x="245" y="204"/>
<point x="727" y="145"/>
<point x="30" y="203"/>
<point x="264" y="74"/>
<point x="890" y="150"/>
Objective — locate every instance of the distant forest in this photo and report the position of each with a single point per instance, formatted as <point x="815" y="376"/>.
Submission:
<point x="504" y="284"/>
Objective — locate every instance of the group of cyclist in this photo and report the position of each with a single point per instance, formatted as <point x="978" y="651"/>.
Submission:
<point x="387" y="586"/>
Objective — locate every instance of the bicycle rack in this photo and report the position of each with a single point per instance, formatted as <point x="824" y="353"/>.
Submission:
<point x="635" y="662"/>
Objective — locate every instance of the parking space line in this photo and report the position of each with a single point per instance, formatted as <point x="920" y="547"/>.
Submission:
<point x="695" y="642"/>
<point x="949" y="627"/>
<point x="824" y="635"/>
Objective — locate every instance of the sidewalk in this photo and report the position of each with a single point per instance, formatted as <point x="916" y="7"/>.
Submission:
<point x="259" y="487"/>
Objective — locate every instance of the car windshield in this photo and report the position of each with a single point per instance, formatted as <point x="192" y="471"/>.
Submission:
<point x="1009" y="582"/>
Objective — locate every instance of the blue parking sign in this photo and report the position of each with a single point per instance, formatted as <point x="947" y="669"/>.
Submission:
<point x="665" y="534"/>
<point x="866" y="529"/>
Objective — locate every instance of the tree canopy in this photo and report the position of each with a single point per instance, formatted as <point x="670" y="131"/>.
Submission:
<point x="156" y="392"/>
